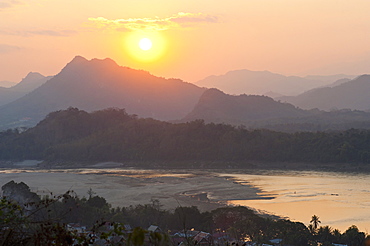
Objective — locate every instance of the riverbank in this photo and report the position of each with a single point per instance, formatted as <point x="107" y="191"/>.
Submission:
<point x="125" y="187"/>
<point x="194" y="165"/>
<point x="338" y="198"/>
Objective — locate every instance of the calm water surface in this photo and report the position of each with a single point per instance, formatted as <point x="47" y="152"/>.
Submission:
<point x="340" y="200"/>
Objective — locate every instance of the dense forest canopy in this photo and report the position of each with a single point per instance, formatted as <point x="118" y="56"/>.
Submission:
<point x="113" y="135"/>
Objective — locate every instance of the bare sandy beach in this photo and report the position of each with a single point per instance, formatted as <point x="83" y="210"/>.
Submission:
<point x="203" y="189"/>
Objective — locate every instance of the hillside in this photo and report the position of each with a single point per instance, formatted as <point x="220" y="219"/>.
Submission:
<point x="113" y="135"/>
<point x="98" y="84"/>
<point x="264" y="112"/>
<point x="353" y="95"/>
<point x="28" y="84"/>
<point x="218" y="107"/>
<point x="265" y="83"/>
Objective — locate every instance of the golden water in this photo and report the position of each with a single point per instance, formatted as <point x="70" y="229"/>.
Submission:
<point x="340" y="200"/>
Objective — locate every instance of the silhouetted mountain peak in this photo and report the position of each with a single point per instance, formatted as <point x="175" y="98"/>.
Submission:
<point x="30" y="82"/>
<point x="213" y="92"/>
<point x="106" y="61"/>
<point x="101" y="83"/>
<point x="80" y="64"/>
<point x="34" y="76"/>
<point x="78" y="60"/>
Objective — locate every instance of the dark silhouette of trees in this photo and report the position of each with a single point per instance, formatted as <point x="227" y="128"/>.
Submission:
<point x="113" y="135"/>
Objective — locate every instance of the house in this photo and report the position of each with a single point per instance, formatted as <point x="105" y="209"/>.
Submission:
<point x="203" y="238"/>
<point x="198" y="237"/>
<point x="154" y="228"/>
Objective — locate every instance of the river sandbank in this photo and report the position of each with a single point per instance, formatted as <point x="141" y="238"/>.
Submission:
<point x="125" y="187"/>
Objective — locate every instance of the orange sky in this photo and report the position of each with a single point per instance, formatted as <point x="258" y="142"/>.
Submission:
<point x="197" y="38"/>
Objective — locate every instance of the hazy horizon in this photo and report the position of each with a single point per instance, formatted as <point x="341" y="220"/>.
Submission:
<point x="12" y="83"/>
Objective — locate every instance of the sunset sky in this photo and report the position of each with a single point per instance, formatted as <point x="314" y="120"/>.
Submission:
<point x="190" y="39"/>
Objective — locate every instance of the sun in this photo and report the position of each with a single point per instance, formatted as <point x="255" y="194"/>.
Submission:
<point x="145" y="47"/>
<point x="145" y="44"/>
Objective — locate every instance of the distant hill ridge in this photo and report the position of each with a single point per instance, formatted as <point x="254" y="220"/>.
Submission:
<point x="255" y="111"/>
<point x="218" y="107"/>
<point x="266" y="83"/>
<point x="75" y="136"/>
<point x="6" y="84"/>
<point x="353" y="94"/>
<point x="27" y="84"/>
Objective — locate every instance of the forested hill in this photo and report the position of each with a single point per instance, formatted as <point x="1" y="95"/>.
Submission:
<point x="113" y="135"/>
<point x="263" y="112"/>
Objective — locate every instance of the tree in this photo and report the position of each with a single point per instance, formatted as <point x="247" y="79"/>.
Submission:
<point x="97" y="201"/>
<point x="324" y="234"/>
<point x="91" y="193"/>
<point x="37" y="225"/>
<point x="353" y="237"/>
<point x="315" y="220"/>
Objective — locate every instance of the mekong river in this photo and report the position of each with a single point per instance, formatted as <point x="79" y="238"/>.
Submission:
<point x="339" y="199"/>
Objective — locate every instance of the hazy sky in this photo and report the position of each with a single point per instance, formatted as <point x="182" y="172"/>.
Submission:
<point x="191" y="38"/>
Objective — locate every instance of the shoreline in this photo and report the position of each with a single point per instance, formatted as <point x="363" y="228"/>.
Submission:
<point x="125" y="187"/>
<point x="193" y="165"/>
<point x="208" y="189"/>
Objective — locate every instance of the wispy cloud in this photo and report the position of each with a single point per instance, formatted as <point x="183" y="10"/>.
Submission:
<point x="39" y="32"/>
<point x="57" y="33"/>
<point x="5" y="48"/>
<point x="8" y="3"/>
<point x="154" y="24"/>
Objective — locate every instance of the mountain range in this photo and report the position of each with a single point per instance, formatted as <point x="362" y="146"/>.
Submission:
<point x="255" y="111"/>
<point x="266" y="83"/>
<point x="99" y="84"/>
<point x="353" y="94"/>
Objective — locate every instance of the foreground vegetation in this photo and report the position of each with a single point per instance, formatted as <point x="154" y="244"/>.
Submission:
<point x="113" y="135"/>
<point x="26" y="219"/>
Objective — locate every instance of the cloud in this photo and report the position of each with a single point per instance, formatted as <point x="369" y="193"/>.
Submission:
<point x="40" y="32"/>
<point x="5" y="48"/>
<point x="8" y="3"/>
<point x="154" y="24"/>
<point x="57" y="33"/>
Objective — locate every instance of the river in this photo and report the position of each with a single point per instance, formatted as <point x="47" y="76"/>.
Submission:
<point x="339" y="199"/>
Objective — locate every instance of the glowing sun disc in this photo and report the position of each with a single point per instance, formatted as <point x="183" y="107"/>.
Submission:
<point x="145" y="44"/>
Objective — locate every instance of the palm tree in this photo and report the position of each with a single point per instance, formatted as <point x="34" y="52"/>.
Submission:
<point x="311" y="229"/>
<point x="315" y="221"/>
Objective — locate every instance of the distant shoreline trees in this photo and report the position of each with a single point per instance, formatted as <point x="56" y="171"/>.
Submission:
<point x="113" y="135"/>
